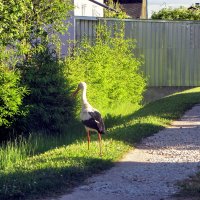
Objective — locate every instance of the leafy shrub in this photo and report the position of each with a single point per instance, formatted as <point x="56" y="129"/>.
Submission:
<point x="50" y="107"/>
<point x="25" y="23"/>
<point x="109" y="67"/>
<point x="11" y="95"/>
<point x="178" y="14"/>
<point x="27" y="29"/>
<point x="115" y="5"/>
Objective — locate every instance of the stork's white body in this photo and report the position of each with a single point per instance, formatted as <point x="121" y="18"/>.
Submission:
<point x="84" y="115"/>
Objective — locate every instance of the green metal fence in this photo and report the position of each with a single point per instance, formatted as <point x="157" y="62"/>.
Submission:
<point x="171" y="49"/>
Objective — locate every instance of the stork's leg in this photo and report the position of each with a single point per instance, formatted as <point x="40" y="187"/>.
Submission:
<point x="99" y="135"/>
<point x="88" y="138"/>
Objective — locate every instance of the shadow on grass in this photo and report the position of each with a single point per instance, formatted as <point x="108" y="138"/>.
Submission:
<point x="132" y="128"/>
<point x="132" y="178"/>
<point x="56" y="175"/>
<point x="170" y="108"/>
<point x="132" y="134"/>
<point x="30" y="184"/>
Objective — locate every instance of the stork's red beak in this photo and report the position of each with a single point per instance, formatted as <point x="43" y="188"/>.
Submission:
<point x="75" y="92"/>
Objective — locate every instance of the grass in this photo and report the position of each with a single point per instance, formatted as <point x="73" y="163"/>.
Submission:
<point x="15" y="151"/>
<point x="51" y="165"/>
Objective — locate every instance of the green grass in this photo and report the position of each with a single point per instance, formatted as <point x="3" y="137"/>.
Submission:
<point x="15" y="151"/>
<point x="63" y="162"/>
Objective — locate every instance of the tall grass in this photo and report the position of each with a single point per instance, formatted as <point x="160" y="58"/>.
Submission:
<point x="14" y="152"/>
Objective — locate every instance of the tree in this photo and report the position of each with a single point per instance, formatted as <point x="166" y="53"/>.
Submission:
<point x="178" y="14"/>
<point x="29" y="33"/>
<point x="11" y="95"/>
<point x="28" y="25"/>
<point x="119" y="14"/>
<point x="49" y="102"/>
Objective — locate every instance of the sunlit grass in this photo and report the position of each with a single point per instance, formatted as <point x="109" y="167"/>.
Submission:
<point x="46" y="164"/>
<point x="13" y="152"/>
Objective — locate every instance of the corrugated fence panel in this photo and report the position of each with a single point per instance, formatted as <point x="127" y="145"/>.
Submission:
<point x="171" y="49"/>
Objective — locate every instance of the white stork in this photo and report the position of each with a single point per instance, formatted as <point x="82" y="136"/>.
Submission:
<point x="90" y="117"/>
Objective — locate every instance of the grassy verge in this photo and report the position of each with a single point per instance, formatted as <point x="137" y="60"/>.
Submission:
<point x="13" y="152"/>
<point x="66" y="166"/>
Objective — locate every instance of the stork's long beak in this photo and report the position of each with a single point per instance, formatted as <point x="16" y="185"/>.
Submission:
<point x="75" y="92"/>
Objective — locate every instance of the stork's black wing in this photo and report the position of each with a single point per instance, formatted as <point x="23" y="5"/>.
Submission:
<point x="95" y="122"/>
<point x="98" y="119"/>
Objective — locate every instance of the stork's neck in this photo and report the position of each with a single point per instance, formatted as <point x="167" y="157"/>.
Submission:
<point x="85" y="103"/>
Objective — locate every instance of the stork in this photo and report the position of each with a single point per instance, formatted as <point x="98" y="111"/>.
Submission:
<point x="90" y="117"/>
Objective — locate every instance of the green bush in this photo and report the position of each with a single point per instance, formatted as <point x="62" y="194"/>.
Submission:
<point x="178" y="14"/>
<point x="115" y="5"/>
<point x="25" y="24"/>
<point x="109" y="67"/>
<point x="27" y="28"/>
<point x="11" y="95"/>
<point x="49" y="103"/>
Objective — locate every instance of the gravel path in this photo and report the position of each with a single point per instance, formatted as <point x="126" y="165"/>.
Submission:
<point x="152" y="170"/>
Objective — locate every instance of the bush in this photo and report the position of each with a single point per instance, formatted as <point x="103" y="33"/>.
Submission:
<point x="28" y="27"/>
<point x="50" y="107"/>
<point x="115" y="5"/>
<point x="11" y="95"/>
<point x="178" y="14"/>
<point x="109" y="67"/>
<point x="27" y="24"/>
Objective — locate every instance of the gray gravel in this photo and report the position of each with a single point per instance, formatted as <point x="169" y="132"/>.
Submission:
<point x="152" y="170"/>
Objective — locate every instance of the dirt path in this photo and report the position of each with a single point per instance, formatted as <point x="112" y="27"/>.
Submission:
<point x="152" y="170"/>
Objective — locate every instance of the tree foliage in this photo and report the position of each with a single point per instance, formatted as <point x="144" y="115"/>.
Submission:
<point x="181" y="13"/>
<point x="11" y="94"/>
<point x="109" y="67"/>
<point x="26" y="24"/>
<point x="49" y="102"/>
<point x="29" y="30"/>
<point x="111" y="14"/>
